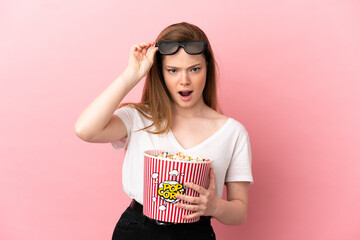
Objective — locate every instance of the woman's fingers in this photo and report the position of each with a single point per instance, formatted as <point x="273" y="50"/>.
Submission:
<point x="191" y="216"/>
<point x="187" y="198"/>
<point x="134" y="47"/>
<point x="194" y="208"/>
<point x="145" y="49"/>
<point x="141" y="58"/>
<point x="145" y="44"/>
<point x="196" y="187"/>
<point x="141" y="47"/>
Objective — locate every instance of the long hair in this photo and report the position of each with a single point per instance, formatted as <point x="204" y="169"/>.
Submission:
<point x="156" y="103"/>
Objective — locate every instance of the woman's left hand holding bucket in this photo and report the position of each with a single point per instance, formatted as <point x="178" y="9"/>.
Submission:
<point x="203" y="205"/>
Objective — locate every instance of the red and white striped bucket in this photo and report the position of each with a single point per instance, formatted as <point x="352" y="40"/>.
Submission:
<point x="163" y="179"/>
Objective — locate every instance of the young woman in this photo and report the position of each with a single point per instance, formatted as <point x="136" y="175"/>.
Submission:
<point x="178" y="112"/>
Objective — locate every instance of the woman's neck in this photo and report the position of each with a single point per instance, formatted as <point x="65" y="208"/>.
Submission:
<point x="194" y="111"/>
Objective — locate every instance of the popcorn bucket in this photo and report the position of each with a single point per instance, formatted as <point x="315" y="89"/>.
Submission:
<point x="164" y="178"/>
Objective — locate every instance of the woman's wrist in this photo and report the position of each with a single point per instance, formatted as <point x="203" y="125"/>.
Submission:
<point x="129" y="78"/>
<point x="217" y="206"/>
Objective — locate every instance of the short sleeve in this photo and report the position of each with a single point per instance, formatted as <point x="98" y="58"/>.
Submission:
<point x="240" y="165"/>
<point x="126" y="114"/>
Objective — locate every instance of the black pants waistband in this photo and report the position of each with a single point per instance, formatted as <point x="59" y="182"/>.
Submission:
<point x="139" y="209"/>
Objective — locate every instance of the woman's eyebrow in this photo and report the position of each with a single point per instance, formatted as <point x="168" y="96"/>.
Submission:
<point x="187" y="67"/>
<point x="195" y="65"/>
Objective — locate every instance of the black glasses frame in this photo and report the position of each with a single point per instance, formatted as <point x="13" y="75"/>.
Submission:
<point x="183" y="45"/>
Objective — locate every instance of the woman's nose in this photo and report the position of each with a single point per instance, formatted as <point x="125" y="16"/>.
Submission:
<point x="185" y="80"/>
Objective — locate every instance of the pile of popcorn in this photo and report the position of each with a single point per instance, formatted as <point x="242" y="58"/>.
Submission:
<point x="180" y="156"/>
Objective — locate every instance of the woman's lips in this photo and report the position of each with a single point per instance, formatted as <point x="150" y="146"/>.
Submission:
<point x="185" y="95"/>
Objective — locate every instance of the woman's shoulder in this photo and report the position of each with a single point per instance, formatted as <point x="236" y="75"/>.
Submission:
<point x="216" y="116"/>
<point x="234" y="125"/>
<point x="134" y="108"/>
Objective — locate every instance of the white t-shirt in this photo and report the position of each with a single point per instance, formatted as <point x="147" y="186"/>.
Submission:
<point x="229" y="147"/>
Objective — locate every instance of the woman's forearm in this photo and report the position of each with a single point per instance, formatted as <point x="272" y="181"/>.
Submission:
<point x="95" y="117"/>
<point x="230" y="212"/>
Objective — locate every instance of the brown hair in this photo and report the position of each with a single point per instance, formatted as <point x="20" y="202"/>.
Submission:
<point x="155" y="103"/>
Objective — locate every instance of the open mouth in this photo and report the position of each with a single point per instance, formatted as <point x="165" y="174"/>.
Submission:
<point x="185" y="93"/>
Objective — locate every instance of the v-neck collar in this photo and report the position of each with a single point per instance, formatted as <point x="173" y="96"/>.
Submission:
<point x="203" y="142"/>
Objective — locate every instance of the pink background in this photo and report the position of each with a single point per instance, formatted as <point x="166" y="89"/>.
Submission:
<point x="290" y="73"/>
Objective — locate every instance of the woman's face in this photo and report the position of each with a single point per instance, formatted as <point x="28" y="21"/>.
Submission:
<point x="185" y="78"/>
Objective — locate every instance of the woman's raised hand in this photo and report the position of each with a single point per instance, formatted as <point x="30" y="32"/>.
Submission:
<point x="141" y="59"/>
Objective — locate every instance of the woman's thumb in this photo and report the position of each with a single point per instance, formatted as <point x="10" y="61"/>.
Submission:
<point x="152" y="52"/>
